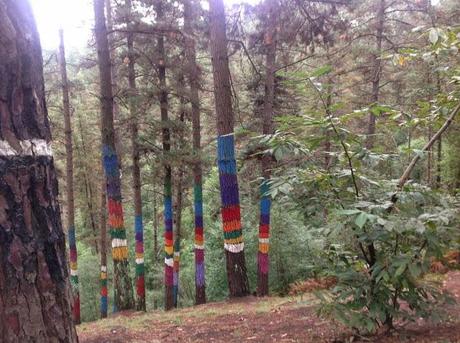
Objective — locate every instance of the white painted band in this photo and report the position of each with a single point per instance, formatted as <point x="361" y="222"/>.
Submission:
<point x="169" y="262"/>
<point x="104" y="269"/>
<point x="117" y="243"/>
<point x="234" y="248"/>
<point x="264" y="240"/>
<point x="198" y="246"/>
<point x="29" y="147"/>
<point x="73" y="272"/>
<point x="176" y="254"/>
<point x="139" y="260"/>
<point x="228" y="134"/>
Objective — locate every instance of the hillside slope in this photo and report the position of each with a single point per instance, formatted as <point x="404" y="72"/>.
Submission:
<point x="272" y="319"/>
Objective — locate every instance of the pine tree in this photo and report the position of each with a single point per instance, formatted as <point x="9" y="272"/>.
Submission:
<point x="34" y="279"/>
<point x="123" y="291"/>
<point x="265" y="201"/>
<point x="138" y="222"/>
<point x="167" y="184"/>
<point x="231" y="215"/>
<point x="69" y="181"/>
<point x="194" y="80"/>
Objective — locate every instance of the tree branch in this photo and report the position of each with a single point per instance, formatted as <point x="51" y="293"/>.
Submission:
<point x="411" y="166"/>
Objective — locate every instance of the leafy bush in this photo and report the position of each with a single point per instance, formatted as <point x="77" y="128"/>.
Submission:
<point x="380" y="277"/>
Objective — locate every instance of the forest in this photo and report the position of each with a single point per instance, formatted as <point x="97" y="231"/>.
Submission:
<point x="219" y="171"/>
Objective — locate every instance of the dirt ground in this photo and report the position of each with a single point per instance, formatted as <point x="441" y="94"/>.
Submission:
<point x="272" y="319"/>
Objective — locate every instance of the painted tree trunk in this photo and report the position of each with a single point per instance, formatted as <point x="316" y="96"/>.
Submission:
<point x="69" y="181"/>
<point x="263" y="264"/>
<point x="155" y="243"/>
<point x="177" y="239"/>
<point x="179" y="197"/>
<point x="103" y="275"/>
<point x="138" y="222"/>
<point x="168" y="210"/>
<point x="376" y="73"/>
<point x="123" y="291"/>
<point x="34" y="280"/>
<point x="193" y="74"/>
<point x="231" y="215"/>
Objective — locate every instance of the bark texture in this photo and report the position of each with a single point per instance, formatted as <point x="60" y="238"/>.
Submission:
<point x="69" y="181"/>
<point x="34" y="280"/>
<point x="123" y="291"/>
<point x="231" y="216"/>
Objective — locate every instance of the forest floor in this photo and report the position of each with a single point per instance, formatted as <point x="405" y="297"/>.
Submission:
<point x="272" y="319"/>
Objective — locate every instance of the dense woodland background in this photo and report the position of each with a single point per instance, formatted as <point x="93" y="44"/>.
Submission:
<point x="360" y="88"/>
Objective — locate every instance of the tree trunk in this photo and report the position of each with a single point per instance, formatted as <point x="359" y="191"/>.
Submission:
<point x="194" y="79"/>
<point x="376" y="73"/>
<point x="178" y="204"/>
<point x="123" y="290"/>
<point x="168" y="211"/>
<point x="155" y="241"/>
<point x="178" y="222"/>
<point x="103" y="228"/>
<point x="83" y="151"/>
<point x="139" y="226"/>
<point x="69" y="182"/>
<point x="34" y="279"/>
<point x="263" y="264"/>
<point x="113" y="68"/>
<point x="231" y="216"/>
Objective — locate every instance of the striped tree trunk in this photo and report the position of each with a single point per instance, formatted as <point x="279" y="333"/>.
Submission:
<point x="231" y="215"/>
<point x="34" y="280"/>
<point x="123" y="291"/>
<point x="194" y="77"/>
<point x="263" y="265"/>
<point x="138" y="223"/>
<point x="103" y="275"/>
<point x="168" y="209"/>
<point x="69" y="181"/>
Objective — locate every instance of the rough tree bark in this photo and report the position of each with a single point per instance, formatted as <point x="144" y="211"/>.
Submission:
<point x="166" y="137"/>
<point x="34" y="279"/>
<point x="123" y="290"/>
<point x="138" y="222"/>
<point x="231" y="215"/>
<point x="376" y="72"/>
<point x="263" y="264"/>
<point x="69" y="181"/>
<point x="194" y="80"/>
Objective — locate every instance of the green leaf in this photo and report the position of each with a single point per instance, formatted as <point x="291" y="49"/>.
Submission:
<point x="400" y="269"/>
<point x="361" y="219"/>
<point x="348" y="212"/>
